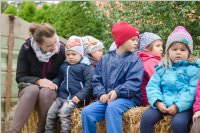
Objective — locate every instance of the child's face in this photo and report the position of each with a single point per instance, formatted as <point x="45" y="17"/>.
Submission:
<point x="72" y="57"/>
<point x="97" y="54"/>
<point x="178" y="51"/>
<point x="157" y="48"/>
<point x="131" y="44"/>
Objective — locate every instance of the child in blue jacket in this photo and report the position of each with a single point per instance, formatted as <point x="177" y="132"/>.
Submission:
<point x="74" y="81"/>
<point x="171" y="90"/>
<point x="116" y="82"/>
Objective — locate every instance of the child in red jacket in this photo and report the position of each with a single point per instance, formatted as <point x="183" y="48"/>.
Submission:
<point x="196" y="117"/>
<point x="150" y="52"/>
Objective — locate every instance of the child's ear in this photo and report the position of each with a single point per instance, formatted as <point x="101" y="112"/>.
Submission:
<point x="145" y="49"/>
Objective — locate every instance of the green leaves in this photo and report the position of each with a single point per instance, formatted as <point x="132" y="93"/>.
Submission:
<point x="96" y="18"/>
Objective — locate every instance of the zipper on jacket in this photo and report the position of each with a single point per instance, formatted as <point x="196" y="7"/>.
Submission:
<point x="81" y="85"/>
<point x="84" y="101"/>
<point x="67" y="85"/>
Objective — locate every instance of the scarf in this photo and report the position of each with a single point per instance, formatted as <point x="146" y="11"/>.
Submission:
<point x="41" y="56"/>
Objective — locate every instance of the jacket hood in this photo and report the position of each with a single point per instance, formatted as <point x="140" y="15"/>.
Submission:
<point x="146" y="56"/>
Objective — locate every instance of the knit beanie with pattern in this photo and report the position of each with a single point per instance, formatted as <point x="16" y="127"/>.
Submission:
<point x="75" y="43"/>
<point x="180" y="34"/>
<point x="91" y="44"/>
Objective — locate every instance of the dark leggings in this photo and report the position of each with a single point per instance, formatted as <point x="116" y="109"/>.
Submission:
<point x="180" y="122"/>
<point x="29" y="97"/>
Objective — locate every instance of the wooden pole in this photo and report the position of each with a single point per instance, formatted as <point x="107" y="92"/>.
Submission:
<point x="8" y="81"/>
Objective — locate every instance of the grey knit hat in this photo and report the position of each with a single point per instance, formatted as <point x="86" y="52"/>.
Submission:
<point x="91" y="44"/>
<point x="180" y="34"/>
<point x="146" y="39"/>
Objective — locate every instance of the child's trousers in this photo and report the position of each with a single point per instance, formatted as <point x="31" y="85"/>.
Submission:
<point x="180" y="122"/>
<point x="195" y="126"/>
<point x="112" y="112"/>
<point x="61" y="110"/>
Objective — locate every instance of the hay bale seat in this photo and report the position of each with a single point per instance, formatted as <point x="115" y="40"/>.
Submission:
<point x="131" y="122"/>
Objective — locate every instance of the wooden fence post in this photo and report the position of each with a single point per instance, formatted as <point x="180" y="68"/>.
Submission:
<point x="8" y="81"/>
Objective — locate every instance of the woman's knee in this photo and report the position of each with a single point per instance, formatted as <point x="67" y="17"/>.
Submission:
<point x="47" y="94"/>
<point x="30" y="91"/>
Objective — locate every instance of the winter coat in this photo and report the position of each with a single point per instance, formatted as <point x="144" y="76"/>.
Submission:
<point x="174" y="85"/>
<point x="149" y="61"/>
<point x="74" y="80"/>
<point x="120" y="73"/>
<point x="196" y="106"/>
<point x="30" y="69"/>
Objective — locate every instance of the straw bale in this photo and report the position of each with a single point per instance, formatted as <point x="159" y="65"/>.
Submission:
<point x="131" y="122"/>
<point x="76" y="121"/>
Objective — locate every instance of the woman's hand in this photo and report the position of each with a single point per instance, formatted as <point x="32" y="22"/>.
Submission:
<point x="196" y="116"/>
<point x="47" y="84"/>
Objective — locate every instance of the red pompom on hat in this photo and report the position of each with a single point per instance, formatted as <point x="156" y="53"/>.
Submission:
<point x="122" y="32"/>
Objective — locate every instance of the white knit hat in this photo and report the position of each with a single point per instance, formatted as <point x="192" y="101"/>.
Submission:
<point x="91" y="44"/>
<point x="75" y="43"/>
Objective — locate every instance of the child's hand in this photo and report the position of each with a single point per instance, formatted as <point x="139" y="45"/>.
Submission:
<point x="69" y="103"/>
<point x="196" y="116"/>
<point x="112" y="96"/>
<point x="104" y="98"/>
<point x="172" y="110"/>
<point x="162" y="107"/>
<point x="76" y="99"/>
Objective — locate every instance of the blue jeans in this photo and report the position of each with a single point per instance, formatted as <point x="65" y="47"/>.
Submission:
<point x="180" y="122"/>
<point x="59" y="108"/>
<point x="112" y="112"/>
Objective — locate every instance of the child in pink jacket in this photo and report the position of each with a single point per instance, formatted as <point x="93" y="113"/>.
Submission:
<point x="196" y="108"/>
<point x="150" y="52"/>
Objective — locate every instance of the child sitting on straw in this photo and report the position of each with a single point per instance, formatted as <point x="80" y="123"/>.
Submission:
<point x="150" y="52"/>
<point x="116" y="82"/>
<point x="74" y="81"/>
<point x="171" y="89"/>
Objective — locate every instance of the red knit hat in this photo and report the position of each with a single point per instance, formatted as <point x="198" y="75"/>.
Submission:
<point x="122" y="32"/>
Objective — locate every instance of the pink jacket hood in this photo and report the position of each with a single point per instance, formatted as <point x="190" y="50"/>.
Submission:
<point x="149" y="61"/>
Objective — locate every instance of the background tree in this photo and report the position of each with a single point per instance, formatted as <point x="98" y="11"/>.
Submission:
<point x="4" y="5"/>
<point x="97" y="18"/>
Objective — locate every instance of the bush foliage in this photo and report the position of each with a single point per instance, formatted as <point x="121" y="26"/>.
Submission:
<point x="97" y="18"/>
